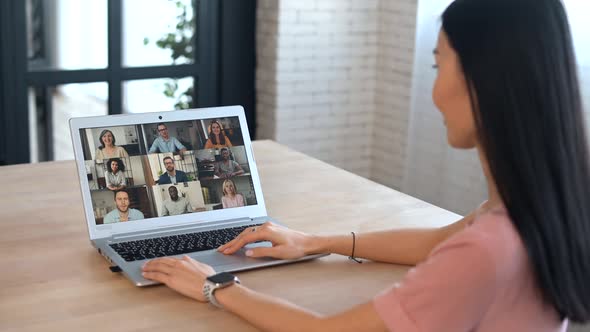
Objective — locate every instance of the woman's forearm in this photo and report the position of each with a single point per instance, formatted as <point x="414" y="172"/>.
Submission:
<point x="265" y="312"/>
<point x="403" y="246"/>
<point x="272" y="314"/>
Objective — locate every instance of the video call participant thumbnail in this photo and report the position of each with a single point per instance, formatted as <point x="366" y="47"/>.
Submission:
<point x="172" y="175"/>
<point x="217" y="138"/>
<point x="227" y="168"/>
<point x="166" y="143"/>
<point x="122" y="212"/>
<point x="175" y="205"/>
<point x="108" y="149"/>
<point x="115" y="175"/>
<point x="230" y="197"/>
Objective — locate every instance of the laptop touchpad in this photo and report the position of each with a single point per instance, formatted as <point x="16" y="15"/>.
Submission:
<point x="215" y="258"/>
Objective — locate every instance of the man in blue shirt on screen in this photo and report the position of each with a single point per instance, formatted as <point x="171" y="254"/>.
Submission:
<point x="166" y="143"/>
<point x="122" y="212"/>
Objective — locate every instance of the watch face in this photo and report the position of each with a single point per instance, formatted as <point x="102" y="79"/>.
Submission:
<point x="221" y="278"/>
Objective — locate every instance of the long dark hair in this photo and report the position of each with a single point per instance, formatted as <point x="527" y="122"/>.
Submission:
<point x="221" y="133"/>
<point x="119" y="164"/>
<point x="518" y="61"/>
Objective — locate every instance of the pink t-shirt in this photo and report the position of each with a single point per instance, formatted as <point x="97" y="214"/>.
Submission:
<point x="228" y="202"/>
<point x="480" y="279"/>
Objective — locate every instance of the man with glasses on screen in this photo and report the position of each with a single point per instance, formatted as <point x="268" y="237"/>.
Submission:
<point x="166" y="143"/>
<point x="172" y="175"/>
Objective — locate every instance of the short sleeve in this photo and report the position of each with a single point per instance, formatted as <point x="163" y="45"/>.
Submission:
<point x="451" y="291"/>
<point x="124" y="153"/>
<point x="109" y="218"/>
<point x="154" y="146"/>
<point x="139" y="215"/>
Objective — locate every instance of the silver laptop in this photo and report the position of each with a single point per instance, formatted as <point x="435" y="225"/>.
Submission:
<point x="169" y="184"/>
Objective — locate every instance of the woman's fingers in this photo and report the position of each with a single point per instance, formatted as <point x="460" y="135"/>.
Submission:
<point x="157" y="276"/>
<point x="274" y="252"/>
<point x="240" y="236"/>
<point x="223" y="247"/>
<point x="163" y="265"/>
<point x="243" y="240"/>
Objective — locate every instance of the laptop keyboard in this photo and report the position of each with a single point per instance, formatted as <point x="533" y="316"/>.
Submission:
<point x="176" y="244"/>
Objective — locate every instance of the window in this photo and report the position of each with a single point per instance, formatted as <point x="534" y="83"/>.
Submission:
<point x="63" y="58"/>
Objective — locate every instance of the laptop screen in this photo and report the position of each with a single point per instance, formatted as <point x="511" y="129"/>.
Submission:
<point x="143" y="171"/>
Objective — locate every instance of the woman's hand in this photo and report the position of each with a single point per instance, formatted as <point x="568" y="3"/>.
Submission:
<point x="185" y="275"/>
<point x="286" y="243"/>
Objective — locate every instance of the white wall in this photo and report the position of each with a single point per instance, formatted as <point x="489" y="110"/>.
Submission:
<point x="316" y="77"/>
<point x="397" y="24"/>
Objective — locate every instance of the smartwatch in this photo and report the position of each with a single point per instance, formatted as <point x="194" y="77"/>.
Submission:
<point x="215" y="282"/>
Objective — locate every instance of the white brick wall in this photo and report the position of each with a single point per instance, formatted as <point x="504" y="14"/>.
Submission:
<point x="397" y="21"/>
<point x="316" y="77"/>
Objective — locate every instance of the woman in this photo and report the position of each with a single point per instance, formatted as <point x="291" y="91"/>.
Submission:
<point x="115" y="175"/>
<point x="107" y="148"/>
<point x="217" y="138"/>
<point x="230" y="198"/>
<point x="506" y="86"/>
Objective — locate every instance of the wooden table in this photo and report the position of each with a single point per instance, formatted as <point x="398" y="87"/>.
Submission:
<point x="53" y="280"/>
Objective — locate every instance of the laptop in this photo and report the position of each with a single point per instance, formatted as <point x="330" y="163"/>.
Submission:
<point x="170" y="184"/>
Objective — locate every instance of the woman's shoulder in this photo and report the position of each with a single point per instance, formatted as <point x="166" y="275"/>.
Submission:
<point x="494" y="235"/>
<point x="121" y="151"/>
<point x="490" y="228"/>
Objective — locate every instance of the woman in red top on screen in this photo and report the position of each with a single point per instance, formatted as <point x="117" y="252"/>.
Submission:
<point x="506" y="86"/>
<point x="217" y="138"/>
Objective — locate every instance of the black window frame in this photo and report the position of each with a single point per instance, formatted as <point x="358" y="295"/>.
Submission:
<point x="223" y="69"/>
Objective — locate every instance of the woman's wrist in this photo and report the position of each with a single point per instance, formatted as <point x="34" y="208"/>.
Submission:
<point x="224" y="295"/>
<point x="316" y="244"/>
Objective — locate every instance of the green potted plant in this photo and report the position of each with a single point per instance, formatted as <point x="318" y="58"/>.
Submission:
<point x="180" y="42"/>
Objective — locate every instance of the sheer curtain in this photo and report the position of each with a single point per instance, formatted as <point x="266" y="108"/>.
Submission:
<point x="447" y="177"/>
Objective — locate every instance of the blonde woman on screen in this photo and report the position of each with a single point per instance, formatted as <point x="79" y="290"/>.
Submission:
<point x="230" y="197"/>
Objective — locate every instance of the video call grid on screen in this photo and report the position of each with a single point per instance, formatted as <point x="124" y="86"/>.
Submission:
<point x="163" y="169"/>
